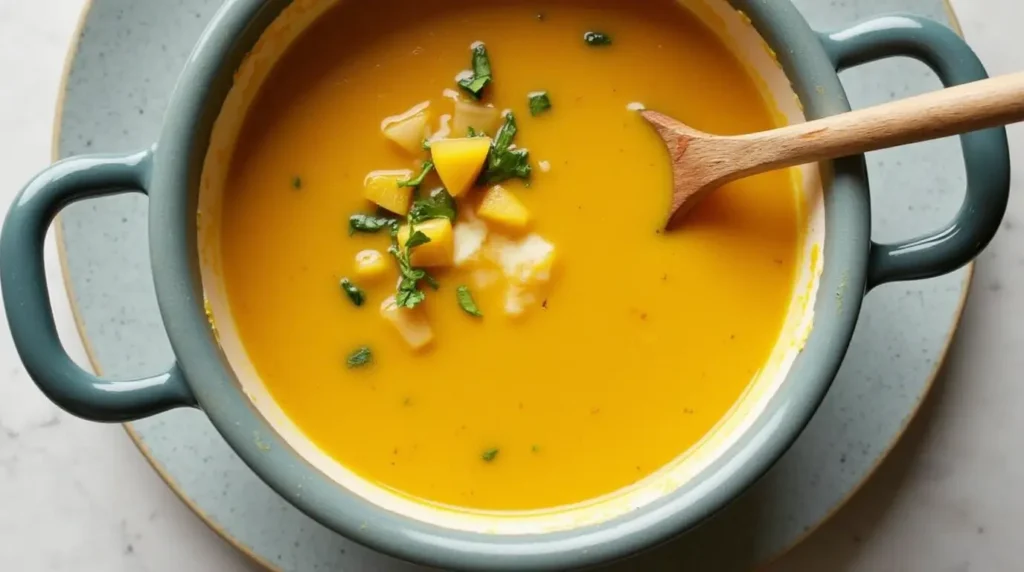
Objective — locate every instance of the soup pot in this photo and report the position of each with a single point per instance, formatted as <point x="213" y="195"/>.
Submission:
<point x="846" y="266"/>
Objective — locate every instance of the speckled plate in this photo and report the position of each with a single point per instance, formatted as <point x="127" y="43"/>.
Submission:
<point x="119" y="76"/>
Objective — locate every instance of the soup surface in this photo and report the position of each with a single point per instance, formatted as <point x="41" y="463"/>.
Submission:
<point x="630" y="345"/>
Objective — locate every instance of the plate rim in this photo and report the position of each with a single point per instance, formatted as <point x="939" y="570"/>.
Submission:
<point x="69" y="62"/>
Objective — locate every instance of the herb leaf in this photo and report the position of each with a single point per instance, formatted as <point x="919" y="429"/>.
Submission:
<point x="597" y="39"/>
<point x="296" y="182"/>
<point x="418" y="179"/>
<point x="490" y="454"/>
<point x="430" y="280"/>
<point x="362" y="356"/>
<point x="505" y="162"/>
<point x="439" y="204"/>
<point x="408" y="294"/>
<point x="368" y="223"/>
<point x="539" y="102"/>
<point x="466" y="301"/>
<point x="354" y="293"/>
<point x="475" y="83"/>
<point x="416" y="238"/>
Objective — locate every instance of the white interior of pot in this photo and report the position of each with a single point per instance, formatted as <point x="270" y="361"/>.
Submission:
<point x="736" y="31"/>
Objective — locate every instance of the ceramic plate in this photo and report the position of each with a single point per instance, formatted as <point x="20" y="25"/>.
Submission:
<point x="119" y="77"/>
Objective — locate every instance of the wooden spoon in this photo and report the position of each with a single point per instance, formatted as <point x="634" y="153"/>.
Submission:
<point x="702" y="162"/>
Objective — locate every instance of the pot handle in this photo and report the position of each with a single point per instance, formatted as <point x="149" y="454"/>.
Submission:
<point x="27" y="303"/>
<point x="986" y="152"/>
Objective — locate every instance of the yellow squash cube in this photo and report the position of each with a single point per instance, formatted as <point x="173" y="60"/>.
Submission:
<point x="459" y="161"/>
<point x="371" y="265"/>
<point x="410" y="323"/>
<point x="409" y="128"/>
<point x="440" y="251"/>
<point x="381" y="187"/>
<point x="501" y="207"/>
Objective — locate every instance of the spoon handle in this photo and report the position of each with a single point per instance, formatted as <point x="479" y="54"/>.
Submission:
<point x="961" y="109"/>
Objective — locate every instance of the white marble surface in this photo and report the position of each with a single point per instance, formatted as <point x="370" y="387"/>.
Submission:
<point x="78" y="496"/>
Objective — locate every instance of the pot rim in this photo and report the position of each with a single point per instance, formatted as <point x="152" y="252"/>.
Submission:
<point x="177" y="165"/>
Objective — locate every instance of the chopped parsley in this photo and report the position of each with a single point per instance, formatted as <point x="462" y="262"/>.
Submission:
<point x="416" y="238"/>
<point x="490" y="454"/>
<point x="535" y="448"/>
<point x="296" y="182"/>
<point x="354" y="293"/>
<point x="470" y="132"/>
<point x="505" y="161"/>
<point x="475" y="82"/>
<point x="539" y="102"/>
<point x="369" y="223"/>
<point x="425" y="144"/>
<point x="418" y="179"/>
<point x="465" y="298"/>
<point x="439" y="204"/>
<point x="360" y="357"/>
<point x="408" y="294"/>
<point x="597" y="39"/>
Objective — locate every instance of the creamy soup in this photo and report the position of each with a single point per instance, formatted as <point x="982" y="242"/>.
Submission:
<point x="570" y="347"/>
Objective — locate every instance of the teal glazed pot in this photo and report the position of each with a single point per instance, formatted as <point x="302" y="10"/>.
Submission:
<point x="169" y="173"/>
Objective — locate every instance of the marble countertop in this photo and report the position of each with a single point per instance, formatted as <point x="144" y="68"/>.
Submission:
<point x="78" y="496"/>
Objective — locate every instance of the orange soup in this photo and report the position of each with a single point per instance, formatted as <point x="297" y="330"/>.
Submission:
<point x="495" y="320"/>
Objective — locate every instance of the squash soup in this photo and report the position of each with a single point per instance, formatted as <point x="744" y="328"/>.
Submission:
<point x="441" y="244"/>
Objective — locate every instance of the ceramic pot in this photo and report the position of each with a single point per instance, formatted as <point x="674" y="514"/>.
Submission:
<point x="843" y="265"/>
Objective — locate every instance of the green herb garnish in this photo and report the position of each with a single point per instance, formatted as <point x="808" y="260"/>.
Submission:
<point x="439" y="204"/>
<point x="416" y="238"/>
<point x="535" y="448"/>
<point x="409" y="294"/>
<point x="296" y="182"/>
<point x="359" y="358"/>
<point x="539" y="102"/>
<point x="369" y="223"/>
<point x="425" y="144"/>
<point x="474" y="83"/>
<point x="597" y="39"/>
<point x="504" y="162"/>
<point x="354" y="293"/>
<point x="490" y="454"/>
<point x="418" y="179"/>
<point x="465" y="298"/>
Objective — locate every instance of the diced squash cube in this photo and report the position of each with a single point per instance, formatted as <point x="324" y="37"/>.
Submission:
<point x="501" y="207"/>
<point x="409" y="128"/>
<point x="371" y="265"/>
<point x="440" y="251"/>
<point x="381" y="187"/>
<point x="482" y="118"/>
<point x="459" y="161"/>
<point x="410" y="323"/>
